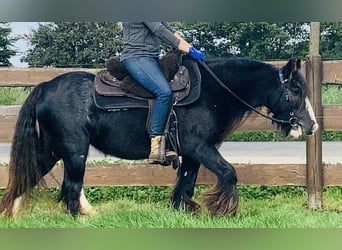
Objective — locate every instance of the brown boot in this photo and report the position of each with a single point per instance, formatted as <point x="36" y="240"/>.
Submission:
<point x="158" y="154"/>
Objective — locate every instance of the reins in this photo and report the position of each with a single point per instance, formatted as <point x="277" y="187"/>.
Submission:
<point x="293" y="121"/>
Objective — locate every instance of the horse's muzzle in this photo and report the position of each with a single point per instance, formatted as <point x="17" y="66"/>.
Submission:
<point x="314" y="128"/>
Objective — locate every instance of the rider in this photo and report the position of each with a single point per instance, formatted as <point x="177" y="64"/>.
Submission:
<point x="140" y="56"/>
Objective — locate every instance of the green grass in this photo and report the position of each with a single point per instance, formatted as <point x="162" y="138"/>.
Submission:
<point x="331" y="94"/>
<point x="257" y="136"/>
<point x="13" y="96"/>
<point x="260" y="207"/>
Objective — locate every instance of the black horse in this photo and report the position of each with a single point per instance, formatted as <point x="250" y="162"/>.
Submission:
<point x="59" y="120"/>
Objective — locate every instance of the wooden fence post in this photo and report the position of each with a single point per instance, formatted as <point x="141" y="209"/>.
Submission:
<point x="314" y="173"/>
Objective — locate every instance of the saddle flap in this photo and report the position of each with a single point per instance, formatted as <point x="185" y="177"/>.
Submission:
<point x="181" y="79"/>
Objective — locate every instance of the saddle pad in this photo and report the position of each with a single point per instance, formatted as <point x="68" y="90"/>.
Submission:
<point x="117" y="103"/>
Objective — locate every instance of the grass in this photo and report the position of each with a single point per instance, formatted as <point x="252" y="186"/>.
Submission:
<point x="257" y="136"/>
<point x="332" y="94"/>
<point x="260" y="207"/>
<point x="14" y="96"/>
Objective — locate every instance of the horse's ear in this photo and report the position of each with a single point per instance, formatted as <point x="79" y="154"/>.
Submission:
<point x="298" y="64"/>
<point x="292" y="65"/>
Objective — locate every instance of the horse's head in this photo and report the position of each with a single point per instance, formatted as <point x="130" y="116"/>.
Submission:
<point x="293" y="105"/>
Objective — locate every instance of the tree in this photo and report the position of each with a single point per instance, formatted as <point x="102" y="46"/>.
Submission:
<point x="89" y="44"/>
<point x="73" y="44"/>
<point x="5" y="45"/>
<point x="331" y="40"/>
<point x="259" y="40"/>
<point x="299" y="33"/>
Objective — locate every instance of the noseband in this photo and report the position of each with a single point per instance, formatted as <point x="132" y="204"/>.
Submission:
<point x="293" y="121"/>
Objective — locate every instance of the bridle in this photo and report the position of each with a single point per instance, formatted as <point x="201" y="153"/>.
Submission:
<point x="293" y="121"/>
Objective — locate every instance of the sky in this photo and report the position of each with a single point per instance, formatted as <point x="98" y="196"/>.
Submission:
<point x="21" y="46"/>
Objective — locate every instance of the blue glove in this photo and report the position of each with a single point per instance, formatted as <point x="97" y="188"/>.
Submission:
<point x="196" y="54"/>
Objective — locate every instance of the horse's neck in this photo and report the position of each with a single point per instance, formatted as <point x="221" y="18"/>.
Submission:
<point x="250" y="80"/>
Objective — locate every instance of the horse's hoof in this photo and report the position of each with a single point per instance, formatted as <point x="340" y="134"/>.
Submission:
<point x="88" y="211"/>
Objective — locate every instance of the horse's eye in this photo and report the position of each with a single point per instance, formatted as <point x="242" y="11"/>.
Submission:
<point x="295" y="88"/>
<point x="296" y="91"/>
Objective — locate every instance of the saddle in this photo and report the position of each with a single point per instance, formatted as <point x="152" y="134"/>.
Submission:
<point x="115" y="89"/>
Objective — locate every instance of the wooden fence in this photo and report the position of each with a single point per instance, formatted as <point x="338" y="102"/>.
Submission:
<point x="144" y="174"/>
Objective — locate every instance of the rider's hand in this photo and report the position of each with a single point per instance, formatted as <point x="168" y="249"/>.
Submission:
<point x="196" y="54"/>
<point x="187" y="48"/>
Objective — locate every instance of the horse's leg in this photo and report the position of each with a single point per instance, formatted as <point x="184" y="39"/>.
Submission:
<point x="74" y="169"/>
<point x="184" y="189"/>
<point x="223" y="198"/>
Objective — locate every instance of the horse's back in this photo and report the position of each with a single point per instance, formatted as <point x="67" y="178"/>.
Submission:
<point x="65" y="101"/>
<point x="76" y="78"/>
<point x="67" y="87"/>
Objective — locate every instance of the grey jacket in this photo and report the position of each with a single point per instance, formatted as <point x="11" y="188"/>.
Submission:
<point x="144" y="38"/>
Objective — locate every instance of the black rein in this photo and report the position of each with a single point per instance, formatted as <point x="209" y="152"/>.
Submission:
<point x="293" y="121"/>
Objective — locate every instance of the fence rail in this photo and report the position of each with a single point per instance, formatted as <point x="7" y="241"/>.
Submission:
<point x="152" y="175"/>
<point x="21" y="77"/>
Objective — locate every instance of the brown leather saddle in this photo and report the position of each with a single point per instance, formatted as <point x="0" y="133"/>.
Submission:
<point x="115" y="89"/>
<point x="108" y="85"/>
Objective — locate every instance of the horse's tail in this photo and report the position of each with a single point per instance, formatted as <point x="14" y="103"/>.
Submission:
<point x="24" y="172"/>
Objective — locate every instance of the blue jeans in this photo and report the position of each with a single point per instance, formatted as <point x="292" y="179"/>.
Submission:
<point x="146" y="71"/>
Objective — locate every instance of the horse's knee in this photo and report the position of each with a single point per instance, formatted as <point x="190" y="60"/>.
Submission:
<point x="75" y="167"/>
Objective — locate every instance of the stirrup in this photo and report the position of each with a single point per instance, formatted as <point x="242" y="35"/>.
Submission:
<point x="171" y="155"/>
